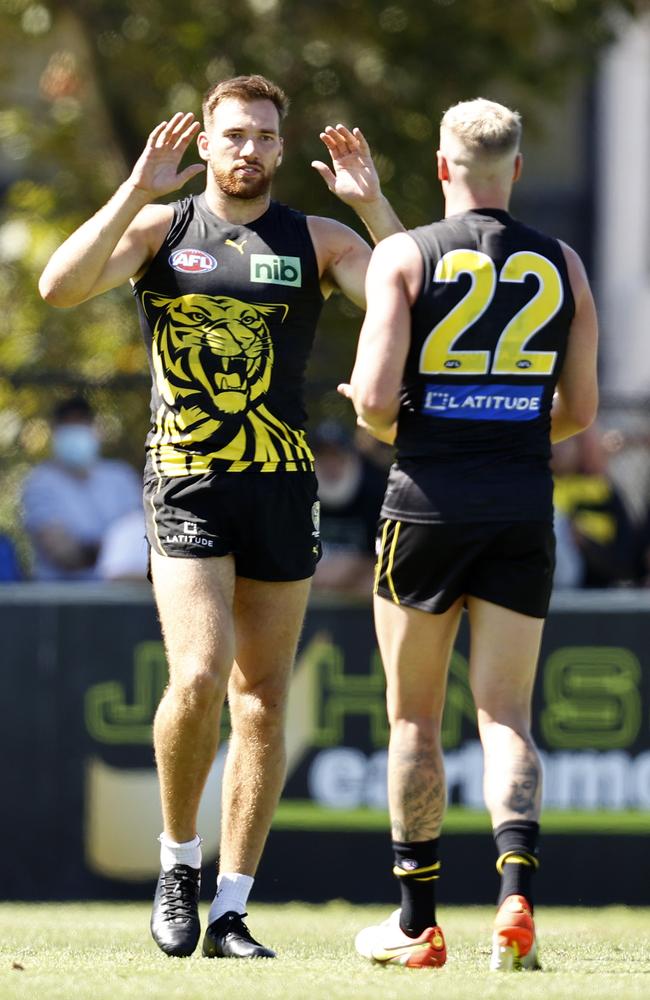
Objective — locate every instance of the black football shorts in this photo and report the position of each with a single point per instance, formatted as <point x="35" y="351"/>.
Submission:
<point x="429" y="566"/>
<point x="268" y="521"/>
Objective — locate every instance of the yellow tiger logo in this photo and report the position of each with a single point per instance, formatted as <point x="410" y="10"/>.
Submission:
<point x="213" y="360"/>
<point x="212" y="352"/>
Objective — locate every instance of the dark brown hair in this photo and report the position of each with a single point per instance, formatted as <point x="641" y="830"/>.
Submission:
<point x="245" y="88"/>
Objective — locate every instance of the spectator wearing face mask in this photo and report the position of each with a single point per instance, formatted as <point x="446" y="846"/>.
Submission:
<point x="70" y="501"/>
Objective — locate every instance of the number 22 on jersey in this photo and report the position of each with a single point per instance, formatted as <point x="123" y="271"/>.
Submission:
<point x="510" y="356"/>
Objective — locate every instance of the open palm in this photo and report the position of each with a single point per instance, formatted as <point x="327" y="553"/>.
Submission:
<point x="352" y="176"/>
<point x="156" y="171"/>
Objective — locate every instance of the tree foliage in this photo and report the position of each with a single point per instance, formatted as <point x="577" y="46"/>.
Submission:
<point x="88" y="79"/>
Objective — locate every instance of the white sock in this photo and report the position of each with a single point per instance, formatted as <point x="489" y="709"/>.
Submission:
<point x="232" y="895"/>
<point x="172" y="853"/>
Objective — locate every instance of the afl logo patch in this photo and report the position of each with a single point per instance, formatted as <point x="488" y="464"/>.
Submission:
<point x="192" y="261"/>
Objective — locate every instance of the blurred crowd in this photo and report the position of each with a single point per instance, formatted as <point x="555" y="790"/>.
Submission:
<point x="82" y="513"/>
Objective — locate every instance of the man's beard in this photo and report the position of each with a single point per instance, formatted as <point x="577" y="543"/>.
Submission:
<point x="237" y="185"/>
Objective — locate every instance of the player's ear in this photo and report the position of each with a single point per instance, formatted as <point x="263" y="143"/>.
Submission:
<point x="518" y="167"/>
<point x="203" y="145"/>
<point x="281" y="152"/>
<point x="443" y="169"/>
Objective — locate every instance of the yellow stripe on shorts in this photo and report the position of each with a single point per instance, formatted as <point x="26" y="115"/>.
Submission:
<point x="380" y="556"/>
<point x="391" y="559"/>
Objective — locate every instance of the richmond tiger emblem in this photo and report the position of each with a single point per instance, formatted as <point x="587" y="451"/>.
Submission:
<point x="213" y="361"/>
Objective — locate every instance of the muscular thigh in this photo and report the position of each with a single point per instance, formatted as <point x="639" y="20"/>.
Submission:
<point x="504" y="651"/>
<point x="268" y="618"/>
<point x="415" y="648"/>
<point x="194" y="601"/>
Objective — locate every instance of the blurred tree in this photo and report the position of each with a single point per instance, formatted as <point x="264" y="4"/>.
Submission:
<point x="86" y="80"/>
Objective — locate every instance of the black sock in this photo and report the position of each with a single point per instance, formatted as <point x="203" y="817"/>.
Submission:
<point x="417" y="867"/>
<point x="516" y="843"/>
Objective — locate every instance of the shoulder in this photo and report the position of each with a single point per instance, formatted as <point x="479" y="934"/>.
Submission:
<point x="397" y="258"/>
<point x="152" y="217"/>
<point x="330" y="232"/>
<point x="437" y="226"/>
<point x="545" y="241"/>
<point x="283" y="218"/>
<point x="153" y="222"/>
<point x="148" y="231"/>
<point x="397" y="248"/>
<point x="576" y="270"/>
<point x="573" y="259"/>
<point x="279" y="209"/>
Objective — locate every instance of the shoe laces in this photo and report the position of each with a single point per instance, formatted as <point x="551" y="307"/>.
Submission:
<point x="237" y="919"/>
<point x="180" y="890"/>
<point x="234" y="922"/>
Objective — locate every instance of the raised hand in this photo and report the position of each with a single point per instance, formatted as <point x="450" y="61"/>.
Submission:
<point x="352" y="176"/>
<point x="156" y="171"/>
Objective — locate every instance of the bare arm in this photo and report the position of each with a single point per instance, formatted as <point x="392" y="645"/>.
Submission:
<point x="393" y="279"/>
<point x="116" y="243"/>
<point x="343" y="258"/>
<point x="576" y="401"/>
<point x="353" y="178"/>
<point x="342" y="255"/>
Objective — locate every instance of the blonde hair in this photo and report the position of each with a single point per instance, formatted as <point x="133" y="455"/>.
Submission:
<point x="483" y="129"/>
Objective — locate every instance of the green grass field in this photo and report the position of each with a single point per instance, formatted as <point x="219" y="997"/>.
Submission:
<point x="301" y="814"/>
<point x="96" y="951"/>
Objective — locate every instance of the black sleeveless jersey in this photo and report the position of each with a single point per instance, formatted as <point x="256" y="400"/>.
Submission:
<point x="228" y="313"/>
<point x="488" y="338"/>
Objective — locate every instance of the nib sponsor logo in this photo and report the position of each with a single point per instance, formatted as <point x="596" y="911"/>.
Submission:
<point x="269" y="270"/>
<point x="190" y="261"/>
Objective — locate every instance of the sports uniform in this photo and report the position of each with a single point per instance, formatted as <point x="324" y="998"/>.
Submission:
<point x="468" y="507"/>
<point x="229" y="313"/>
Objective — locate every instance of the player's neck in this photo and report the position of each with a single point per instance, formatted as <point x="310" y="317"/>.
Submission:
<point x="236" y="210"/>
<point x="464" y="200"/>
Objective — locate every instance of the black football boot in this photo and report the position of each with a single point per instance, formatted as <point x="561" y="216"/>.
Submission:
<point x="175" y="917"/>
<point x="229" y="937"/>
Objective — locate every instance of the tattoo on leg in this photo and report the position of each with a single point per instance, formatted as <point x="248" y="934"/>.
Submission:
<point x="418" y="785"/>
<point x="525" y="781"/>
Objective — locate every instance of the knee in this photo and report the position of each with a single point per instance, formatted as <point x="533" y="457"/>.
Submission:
<point x="419" y="710"/>
<point x="260" y="708"/>
<point x="198" y="688"/>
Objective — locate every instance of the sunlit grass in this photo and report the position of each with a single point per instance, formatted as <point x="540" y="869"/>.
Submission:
<point x="104" y="952"/>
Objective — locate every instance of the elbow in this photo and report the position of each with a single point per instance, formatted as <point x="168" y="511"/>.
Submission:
<point x="52" y="293"/>
<point x="583" y="414"/>
<point x="375" y="399"/>
<point x="47" y="290"/>
<point x="376" y="412"/>
<point x="576" y="409"/>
